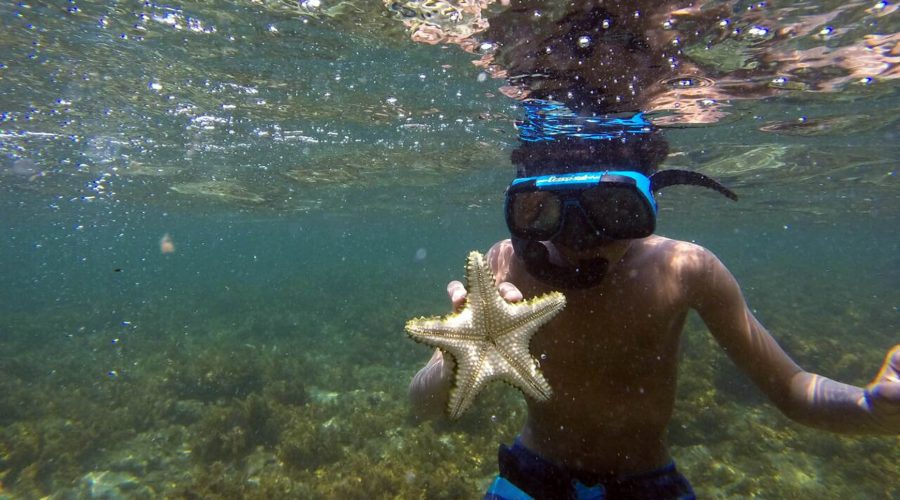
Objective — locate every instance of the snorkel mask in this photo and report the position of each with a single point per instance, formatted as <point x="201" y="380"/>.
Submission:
<point x="584" y="210"/>
<point x="615" y="204"/>
<point x="589" y="207"/>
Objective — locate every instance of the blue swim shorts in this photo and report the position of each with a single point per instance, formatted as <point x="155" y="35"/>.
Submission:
<point x="526" y="475"/>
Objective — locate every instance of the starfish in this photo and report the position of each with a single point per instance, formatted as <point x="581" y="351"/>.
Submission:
<point x="489" y="338"/>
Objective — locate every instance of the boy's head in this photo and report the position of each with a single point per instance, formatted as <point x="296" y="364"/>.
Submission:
<point x="583" y="182"/>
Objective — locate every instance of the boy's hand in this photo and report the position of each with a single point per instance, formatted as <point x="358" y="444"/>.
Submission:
<point x="457" y="292"/>
<point x="883" y="394"/>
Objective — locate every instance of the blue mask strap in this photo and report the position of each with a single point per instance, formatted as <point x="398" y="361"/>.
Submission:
<point x="547" y="121"/>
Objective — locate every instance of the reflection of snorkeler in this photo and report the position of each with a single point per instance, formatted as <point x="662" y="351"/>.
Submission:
<point x="581" y="213"/>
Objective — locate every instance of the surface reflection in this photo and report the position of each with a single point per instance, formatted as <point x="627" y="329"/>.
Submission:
<point x="683" y="62"/>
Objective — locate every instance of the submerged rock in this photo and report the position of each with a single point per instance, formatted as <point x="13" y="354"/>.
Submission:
<point x="223" y="190"/>
<point x="758" y="159"/>
<point x="109" y="485"/>
<point x="830" y="125"/>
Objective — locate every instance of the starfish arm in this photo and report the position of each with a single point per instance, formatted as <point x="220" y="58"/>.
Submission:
<point x="452" y="328"/>
<point x="534" y="312"/>
<point x="526" y="376"/>
<point x="479" y="284"/>
<point x="537" y="388"/>
<point x="523" y="321"/>
<point x="522" y="371"/>
<point x="472" y="374"/>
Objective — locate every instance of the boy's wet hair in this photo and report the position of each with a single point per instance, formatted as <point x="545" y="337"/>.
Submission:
<point x="640" y="153"/>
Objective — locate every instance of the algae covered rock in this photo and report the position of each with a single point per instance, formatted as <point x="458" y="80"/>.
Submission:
<point x="108" y="485"/>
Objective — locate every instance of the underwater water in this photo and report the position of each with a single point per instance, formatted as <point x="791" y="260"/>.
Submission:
<point x="217" y="217"/>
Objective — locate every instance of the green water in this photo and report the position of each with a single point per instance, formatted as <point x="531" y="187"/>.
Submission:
<point x="322" y="178"/>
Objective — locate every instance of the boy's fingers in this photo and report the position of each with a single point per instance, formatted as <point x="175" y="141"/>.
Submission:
<point x="457" y="292"/>
<point x="509" y="292"/>
<point x="894" y="358"/>
<point x="890" y="370"/>
<point x="887" y="392"/>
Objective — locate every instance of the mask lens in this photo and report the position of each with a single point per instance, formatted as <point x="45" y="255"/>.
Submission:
<point x="534" y="214"/>
<point x="618" y="211"/>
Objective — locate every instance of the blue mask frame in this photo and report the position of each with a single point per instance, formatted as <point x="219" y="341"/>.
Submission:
<point x="618" y="204"/>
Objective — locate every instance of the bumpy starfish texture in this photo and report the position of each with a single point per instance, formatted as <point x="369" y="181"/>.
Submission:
<point x="489" y="338"/>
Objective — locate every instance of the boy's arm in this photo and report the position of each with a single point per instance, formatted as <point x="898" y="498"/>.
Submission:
<point x="429" y="389"/>
<point x="805" y="397"/>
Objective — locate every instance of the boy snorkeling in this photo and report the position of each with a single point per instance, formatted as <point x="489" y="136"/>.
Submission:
<point x="581" y="214"/>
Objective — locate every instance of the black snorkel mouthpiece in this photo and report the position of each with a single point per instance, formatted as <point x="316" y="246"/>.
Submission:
<point x="536" y="257"/>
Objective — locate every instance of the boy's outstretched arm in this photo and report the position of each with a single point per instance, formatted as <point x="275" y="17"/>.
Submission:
<point x="804" y="397"/>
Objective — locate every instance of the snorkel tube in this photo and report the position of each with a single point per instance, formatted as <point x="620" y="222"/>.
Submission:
<point x="675" y="177"/>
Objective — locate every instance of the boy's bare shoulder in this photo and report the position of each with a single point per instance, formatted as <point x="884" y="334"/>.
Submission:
<point x="673" y="257"/>
<point x="662" y="247"/>
<point x="697" y="270"/>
